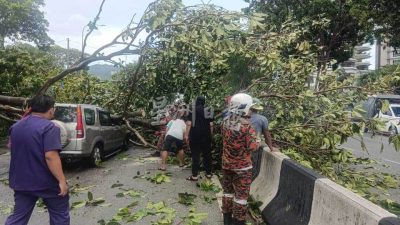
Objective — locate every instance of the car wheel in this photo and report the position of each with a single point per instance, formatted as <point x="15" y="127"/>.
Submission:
<point x="393" y="130"/>
<point x="96" y="156"/>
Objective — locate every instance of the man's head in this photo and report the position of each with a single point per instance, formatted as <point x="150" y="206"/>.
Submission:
<point x="42" y="105"/>
<point x="240" y="104"/>
<point x="200" y="101"/>
<point x="256" y="106"/>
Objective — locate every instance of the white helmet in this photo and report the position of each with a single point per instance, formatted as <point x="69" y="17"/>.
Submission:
<point x="240" y="104"/>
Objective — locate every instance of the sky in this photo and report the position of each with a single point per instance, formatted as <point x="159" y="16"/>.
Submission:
<point x="68" y="18"/>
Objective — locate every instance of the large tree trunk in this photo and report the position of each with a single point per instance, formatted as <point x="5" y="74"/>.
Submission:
<point x="13" y="101"/>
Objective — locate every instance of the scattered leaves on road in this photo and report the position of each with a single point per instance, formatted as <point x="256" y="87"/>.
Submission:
<point x="4" y="181"/>
<point x="91" y="201"/>
<point x="186" y="198"/>
<point x="160" y="178"/>
<point x="132" y="193"/>
<point x="117" y="185"/>
<point x="194" y="218"/>
<point x="209" y="200"/>
<point x="208" y="186"/>
<point x="124" y="156"/>
<point x="124" y="214"/>
<point x="6" y="210"/>
<point x="77" y="189"/>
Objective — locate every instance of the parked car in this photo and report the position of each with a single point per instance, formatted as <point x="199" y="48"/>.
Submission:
<point x="87" y="131"/>
<point x="391" y="116"/>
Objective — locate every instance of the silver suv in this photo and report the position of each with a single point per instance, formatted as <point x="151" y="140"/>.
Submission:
<point x="87" y="131"/>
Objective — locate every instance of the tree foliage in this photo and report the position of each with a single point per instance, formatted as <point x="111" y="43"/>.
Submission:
<point x="333" y="27"/>
<point x="385" y="14"/>
<point x="23" y="20"/>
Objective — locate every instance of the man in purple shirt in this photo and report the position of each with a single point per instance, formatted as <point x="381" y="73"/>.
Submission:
<point x="35" y="167"/>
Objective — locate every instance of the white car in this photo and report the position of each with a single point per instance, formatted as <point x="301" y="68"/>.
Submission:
<point x="392" y="119"/>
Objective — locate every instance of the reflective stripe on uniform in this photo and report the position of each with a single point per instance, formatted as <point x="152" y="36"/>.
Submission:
<point x="240" y="201"/>
<point x="229" y="195"/>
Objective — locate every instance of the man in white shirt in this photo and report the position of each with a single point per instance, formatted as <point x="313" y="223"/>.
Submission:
<point x="175" y="131"/>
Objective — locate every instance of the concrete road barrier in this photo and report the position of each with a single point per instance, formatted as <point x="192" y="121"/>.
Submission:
<point x="265" y="186"/>
<point x="294" y="195"/>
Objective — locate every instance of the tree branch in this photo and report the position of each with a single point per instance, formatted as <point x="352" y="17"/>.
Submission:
<point x="92" y="26"/>
<point x="83" y="64"/>
<point x="8" y="108"/>
<point x="6" y="118"/>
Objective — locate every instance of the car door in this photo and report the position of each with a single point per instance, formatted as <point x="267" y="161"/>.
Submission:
<point x="91" y="130"/>
<point x="106" y="130"/>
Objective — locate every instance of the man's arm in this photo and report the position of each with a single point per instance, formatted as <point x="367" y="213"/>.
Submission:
<point x="188" y="127"/>
<point x="212" y="128"/>
<point x="54" y="163"/>
<point x="268" y="140"/>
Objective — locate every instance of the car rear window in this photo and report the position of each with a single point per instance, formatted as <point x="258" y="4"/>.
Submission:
<point x="66" y="114"/>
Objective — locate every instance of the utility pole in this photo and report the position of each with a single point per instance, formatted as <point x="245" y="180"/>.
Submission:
<point x="67" y="55"/>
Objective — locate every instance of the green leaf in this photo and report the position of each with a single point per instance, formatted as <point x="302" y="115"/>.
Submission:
<point x="139" y="215"/>
<point x="208" y="186"/>
<point x="90" y="196"/>
<point x="78" y="204"/>
<point x="186" y="199"/>
<point x="133" y="204"/>
<point x="209" y="200"/>
<point x="120" y="195"/>
<point x="116" y="185"/>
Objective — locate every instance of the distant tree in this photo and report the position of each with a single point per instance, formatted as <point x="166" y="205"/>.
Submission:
<point x="387" y="77"/>
<point x="332" y="27"/>
<point x="23" y="20"/>
<point x="385" y="14"/>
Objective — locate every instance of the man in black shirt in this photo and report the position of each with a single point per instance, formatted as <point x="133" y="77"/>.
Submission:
<point x="199" y="135"/>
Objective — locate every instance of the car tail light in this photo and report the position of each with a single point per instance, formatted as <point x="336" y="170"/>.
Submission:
<point x="79" y="123"/>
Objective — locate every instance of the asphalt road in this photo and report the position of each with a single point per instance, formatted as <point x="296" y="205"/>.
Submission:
<point x="388" y="156"/>
<point x="388" y="160"/>
<point x="121" y="169"/>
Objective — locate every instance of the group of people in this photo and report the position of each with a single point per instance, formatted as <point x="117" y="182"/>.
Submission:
<point x="36" y="170"/>
<point x="242" y="130"/>
<point x="189" y="128"/>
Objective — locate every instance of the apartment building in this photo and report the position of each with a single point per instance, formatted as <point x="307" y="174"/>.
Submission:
<point x="386" y="55"/>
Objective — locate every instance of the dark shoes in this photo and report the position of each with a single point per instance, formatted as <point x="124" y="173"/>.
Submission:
<point x="192" y="178"/>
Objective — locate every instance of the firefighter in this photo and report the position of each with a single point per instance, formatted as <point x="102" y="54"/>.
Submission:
<point x="239" y="140"/>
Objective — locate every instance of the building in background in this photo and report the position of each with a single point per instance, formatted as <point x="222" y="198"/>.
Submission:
<point x="386" y="55"/>
<point x="358" y="64"/>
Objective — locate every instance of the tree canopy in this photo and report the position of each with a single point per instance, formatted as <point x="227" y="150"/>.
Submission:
<point x="23" y="20"/>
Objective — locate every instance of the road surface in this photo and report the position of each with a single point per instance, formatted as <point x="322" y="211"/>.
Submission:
<point x="388" y="156"/>
<point x="121" y="169"/>
<point x="388" y="160"/>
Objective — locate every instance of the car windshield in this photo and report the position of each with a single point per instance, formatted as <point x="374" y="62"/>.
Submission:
<point x="396" y="111"/>
<point x="65" y="114"/>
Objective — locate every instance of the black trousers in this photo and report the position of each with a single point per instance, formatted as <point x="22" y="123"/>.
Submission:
<point x="197" y="149"/>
